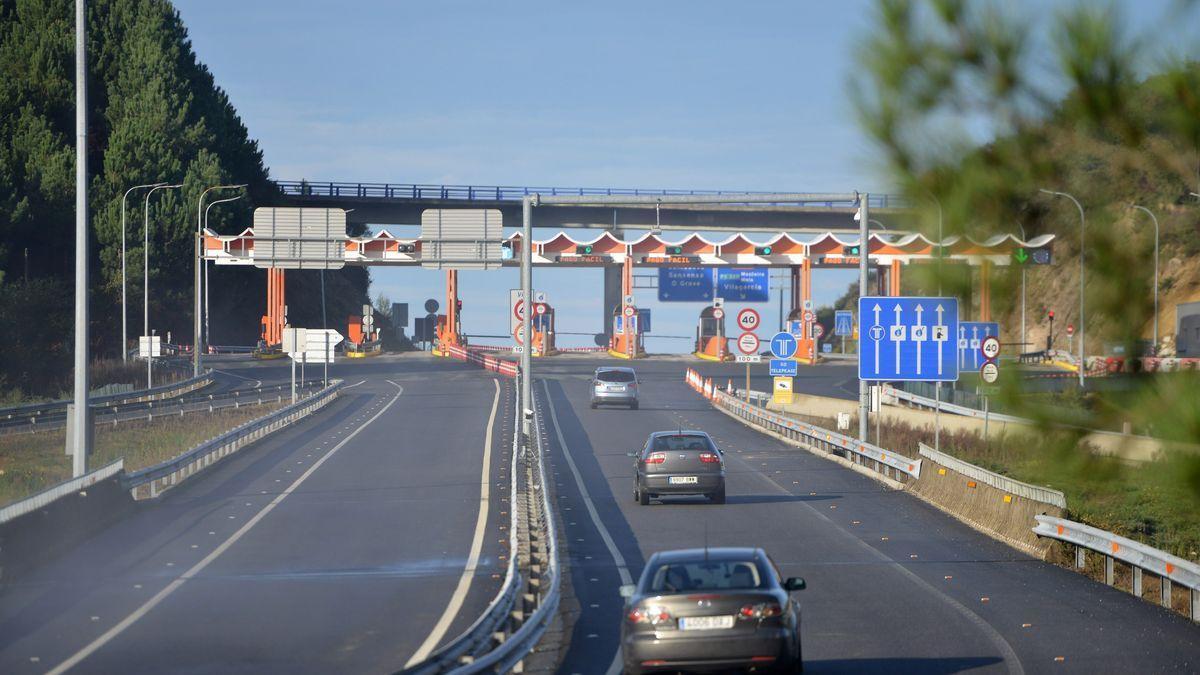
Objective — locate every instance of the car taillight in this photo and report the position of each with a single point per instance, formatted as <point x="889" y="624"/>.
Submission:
<point x="762" y="610"/>
<point x="656" y="458"/>
<point x="653" y="615"/>
<point x="710" y="458"/>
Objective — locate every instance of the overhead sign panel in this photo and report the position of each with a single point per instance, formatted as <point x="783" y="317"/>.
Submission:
<point x="461" y="239"/>
<point x="696" y="284"/>
<point x="907" y="339"/>
<point x="970" y="336"/>
<point x="299" y="238"/>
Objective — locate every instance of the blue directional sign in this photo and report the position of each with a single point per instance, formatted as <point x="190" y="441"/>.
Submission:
<point x="908" y="339"/>
<point x="696" y="284"/>
<point x="826" y="348"/>
<point x="783" y="367"/>
<point x="970" y="338"/>
<point x="783" y="345"/>
<point x="843" y="322"/>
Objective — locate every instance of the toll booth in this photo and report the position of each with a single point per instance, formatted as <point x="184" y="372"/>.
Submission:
<point x="711" y="343"/>
<point x="806" y="344"/>
<point x="627" y="340"/>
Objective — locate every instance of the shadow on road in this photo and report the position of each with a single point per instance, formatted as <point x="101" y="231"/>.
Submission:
<point x="926" y="666"/>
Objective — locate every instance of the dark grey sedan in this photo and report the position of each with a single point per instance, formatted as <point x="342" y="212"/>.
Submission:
<point x="679" y="463"/>
<point x="711" y="610"/>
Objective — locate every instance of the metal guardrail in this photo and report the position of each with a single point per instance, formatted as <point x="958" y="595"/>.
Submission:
<point x="485" y="361"/>
<point x="1170" y="569"/>
<point x="516" y="619"/>
<point x="918" y="400"/>
<point x="34" y="410"/>
<point x="499" y="193"/>
<point x="1036" y="493"/>
<point x="830" y="441"/>
<point x="45" y="497"/>
<point x="169" y="473"/>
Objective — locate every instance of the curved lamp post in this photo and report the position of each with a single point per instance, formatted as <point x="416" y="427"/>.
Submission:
<point x="1155" y="219"/>
<point x="146" y="276"/>
<point x="1082" y="230"/>
<point x="197" y="347"/>
<point x="124" y="311"/>
<point x="212" y="204"/>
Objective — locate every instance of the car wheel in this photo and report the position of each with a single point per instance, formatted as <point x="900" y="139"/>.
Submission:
<point x="643" y="498"/>
<point x="593" y="405"/>
<point x="718" y="497"/>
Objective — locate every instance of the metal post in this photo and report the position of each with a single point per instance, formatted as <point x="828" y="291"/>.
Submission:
<point x="1155" y="219"/>
<point x="325" y="327"/>
<point x="1082" y="231"/>
<point x="527" y="323"/>
<point x="293" y="378"/>
<point x="124" y="311"/>
<point x="985" y="419"/>
<point x="864" y="252"/>
<point x="747" y="383"/>
<point x="79" y="432"/>
<point x="146" y="277"/>
<point x="200" y="342"/>
<point x="1023" y="344"/>
<point x="196" y="336"/>
<point x="937" y="415"/>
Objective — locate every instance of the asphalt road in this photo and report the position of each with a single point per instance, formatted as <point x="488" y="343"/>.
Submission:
<point x="894" y="585"/>
<point x="336" y="545"/>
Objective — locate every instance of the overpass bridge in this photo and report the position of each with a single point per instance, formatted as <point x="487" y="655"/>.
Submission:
<point x="402" y="204"/>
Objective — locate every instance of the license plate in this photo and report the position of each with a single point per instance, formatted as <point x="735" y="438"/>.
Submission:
<point x="681" y="480"/>
<point x="616" y="388"/>
<point x="705" y="622"/>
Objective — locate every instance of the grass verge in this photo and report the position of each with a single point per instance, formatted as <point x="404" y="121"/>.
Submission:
<point x="32" y="462"/>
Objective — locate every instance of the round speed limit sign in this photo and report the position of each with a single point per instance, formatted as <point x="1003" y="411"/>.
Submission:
<point x="748" y="319"/>
<point x="990" y="347"/>
<point x="718" y="313"/>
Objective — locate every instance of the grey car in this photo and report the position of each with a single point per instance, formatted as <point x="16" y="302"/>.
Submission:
<point x="711" y="609"/>
<point x="615" y="385"/>
<point x="679" y="463"/>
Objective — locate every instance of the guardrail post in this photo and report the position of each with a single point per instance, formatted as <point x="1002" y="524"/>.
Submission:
<point x="1080" y="557"/>
<point x="1137" y="581"/>
<point x="1195" y="605"/>
<point x="1109" y="570"/>
<point x="1164" y="592"/>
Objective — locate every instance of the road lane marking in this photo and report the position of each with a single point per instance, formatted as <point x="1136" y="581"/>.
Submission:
<point x="464" y="582"/>
<point x="618" y="559"/>
<point x="150" y="604"/>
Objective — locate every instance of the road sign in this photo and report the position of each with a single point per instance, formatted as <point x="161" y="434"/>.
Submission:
<point x="629" y="300"/>
<point x="783" y="345"/>
<point x="314" y="347"/>
<point x="718" y="313"/>
<point x="990" y="372"/>
<point x="818" y="331"/>
<point x="643" y="319"/>
<point x="1032" y="256"/>
<point x="697" y="284"/>
<point x="149" y="346"/>
<point x="431" y="306"/>
<point x="1070" y="329"/>
<point x="519" y="334"/>
<point x="748" y="358"/>
<point x="630" y="310"/>
<point x="748" y="343"/>
<point x="902" y="338"/>
<point x="748" y="319"/>
<point x="970" y="342"/>
<point x="299" y="238"/>
<point x="295" y="340"/>
<point x="990" y="348"/>
<point x="826" y="348"/>
<point x="808" y="316"/>
<point x="782" y="390"/>
<point x="843" y="322"/>
<point x="461" y="239"/>
<point x="784" y="367"/>
<point x="540" y="308"/>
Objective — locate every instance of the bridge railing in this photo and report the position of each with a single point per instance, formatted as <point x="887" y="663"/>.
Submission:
<point x="501" y="193"/>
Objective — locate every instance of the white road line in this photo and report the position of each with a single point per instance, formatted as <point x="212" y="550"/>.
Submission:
<point x="150" y="604"/>
<point x="618" y="559"/>
<point x="464" y="582"/>
<point x="360" y="382"/>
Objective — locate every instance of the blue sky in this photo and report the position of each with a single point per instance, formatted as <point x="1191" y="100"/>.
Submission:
<point x="616" y="94"/>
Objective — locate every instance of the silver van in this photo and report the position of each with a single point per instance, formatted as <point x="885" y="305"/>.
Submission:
<point x="615" y="385"/>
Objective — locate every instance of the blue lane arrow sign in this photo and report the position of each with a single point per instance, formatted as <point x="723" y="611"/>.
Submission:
<point x="783" y="345"/>
<point x="908" y="339"/>
<point x="843" y="322"/>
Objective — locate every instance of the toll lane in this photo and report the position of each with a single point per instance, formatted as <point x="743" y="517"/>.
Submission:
<point x="894" y="584"/>
<point x="336" y="545"/>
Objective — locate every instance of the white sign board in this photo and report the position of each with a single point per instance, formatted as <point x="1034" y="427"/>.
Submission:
<point x="149" y="346"/>
<point x="320" y="346"/>
<point x="299" y="238"/>
<point x="748" y="358"/>
<point x="295" y="340"/>
<point x="461" y="239"/>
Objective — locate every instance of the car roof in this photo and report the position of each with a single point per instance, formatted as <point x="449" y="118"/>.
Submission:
<point x="720" y="554"/>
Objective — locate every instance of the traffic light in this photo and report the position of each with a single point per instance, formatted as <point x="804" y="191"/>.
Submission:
<point x="506" y="250"/>
<point x="848" y="251"/>
<point x="762" y="250"/>
<point x="458" y="305"/>
<point x="674" y="250"/>
<point x="1051" y="315"/>
<point x="583" y="249"/>
<point x="408" y="248"/>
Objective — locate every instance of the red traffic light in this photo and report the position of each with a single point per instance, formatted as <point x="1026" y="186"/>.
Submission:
<point x="1051" y="315"/>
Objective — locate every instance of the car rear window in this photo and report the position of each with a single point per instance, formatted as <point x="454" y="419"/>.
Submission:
<point x="706" y="576"/>
<point x="682" y="442"/>
<point x="615" y="376"/>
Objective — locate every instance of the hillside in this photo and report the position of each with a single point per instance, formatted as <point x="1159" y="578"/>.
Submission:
<point x="156" y="114"/>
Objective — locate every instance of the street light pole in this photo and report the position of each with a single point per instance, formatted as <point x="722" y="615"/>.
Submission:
<point x="124" y="311"/>
<point x="1155" y="219"/>
<point x="1082" y="231"/>
<point x="196" y="337"/>
<point x="146" y="278"/>
<point x="80" y="418"/>
<point x="205" y="333"/>
<point x="864" y="220"/>
<point x="527" y="323"/>
<point x="1024" y="239"/>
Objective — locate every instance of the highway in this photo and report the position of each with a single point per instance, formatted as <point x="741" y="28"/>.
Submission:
<point x="894" y="585"/>
<point x="337" y="545"/>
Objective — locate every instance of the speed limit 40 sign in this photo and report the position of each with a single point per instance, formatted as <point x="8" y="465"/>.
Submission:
<point x="748" y="320"/>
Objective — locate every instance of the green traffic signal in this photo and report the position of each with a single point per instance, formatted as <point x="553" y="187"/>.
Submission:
<point x="762" y="250"/>
<point x="674" y="250"/>
<point x="583" y="250"/>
